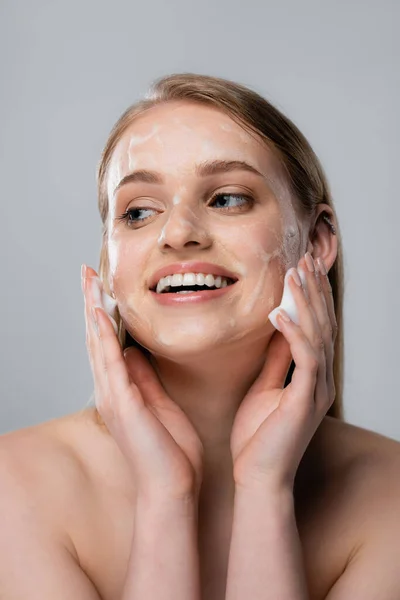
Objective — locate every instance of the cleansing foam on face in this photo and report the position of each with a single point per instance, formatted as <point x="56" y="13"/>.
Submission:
<point x="105" y="301"/>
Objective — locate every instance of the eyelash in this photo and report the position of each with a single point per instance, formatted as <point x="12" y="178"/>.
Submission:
<point x="125" y="216"/>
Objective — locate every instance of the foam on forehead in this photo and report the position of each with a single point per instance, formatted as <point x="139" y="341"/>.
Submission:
<point x="196" y="137"/>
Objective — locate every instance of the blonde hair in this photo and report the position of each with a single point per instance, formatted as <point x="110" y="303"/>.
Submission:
<point x="306" y="178"/>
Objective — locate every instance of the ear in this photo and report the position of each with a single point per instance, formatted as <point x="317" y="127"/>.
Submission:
<point x="322" y="240"/>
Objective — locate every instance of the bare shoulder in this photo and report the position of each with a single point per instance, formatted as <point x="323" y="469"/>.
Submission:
<point x="72" y="461"/>
<point x="360" y="465"/>
<point x="42" y="480"/>
<point x="368" y="467"/>
<point x="61" y="457"/>
<point x="362" y="455"/>
<point x="350" y="506"/>
<point x="40" y="464"/>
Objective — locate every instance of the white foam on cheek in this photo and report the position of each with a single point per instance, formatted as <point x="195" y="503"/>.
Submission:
<point x="257" y="292"/>
<point x="288" y="303"/>
<point x="105" y="301"/>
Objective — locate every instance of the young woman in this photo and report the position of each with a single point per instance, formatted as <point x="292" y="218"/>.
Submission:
<point x="216" y="462"/>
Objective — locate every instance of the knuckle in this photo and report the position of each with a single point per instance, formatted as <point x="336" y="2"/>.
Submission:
<point x="318" y="282"/>
<point x="313" y="363"/>
<point x="109" y="364"/>
<point x="318" y="342"/>
<point x="104" y="406"/>
<point x="307" y="299"/>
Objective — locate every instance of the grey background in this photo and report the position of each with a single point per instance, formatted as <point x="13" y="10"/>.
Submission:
<point x="69" y="69"/>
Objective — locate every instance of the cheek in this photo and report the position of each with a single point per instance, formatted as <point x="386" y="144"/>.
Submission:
<point x="263" y="258"/>
<point x="113" y="257"/>
<point x="126" y="262"/>
<point x="254" y="245"/>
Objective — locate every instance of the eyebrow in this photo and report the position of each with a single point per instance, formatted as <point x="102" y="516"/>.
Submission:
<point x="204" y="169"/>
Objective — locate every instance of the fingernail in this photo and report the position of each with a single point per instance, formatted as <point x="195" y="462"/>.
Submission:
<point x="283" y="315"/>
<point x="295" y="276"/>
<point x="322" y="266"/>
<point x="309" y="262"/>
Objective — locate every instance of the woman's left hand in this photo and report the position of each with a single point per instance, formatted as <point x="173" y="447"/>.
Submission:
<point x="274" y="425"/>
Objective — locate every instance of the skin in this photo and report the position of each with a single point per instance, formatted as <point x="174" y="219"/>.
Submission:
<point x="347" y="503"/>
<point x="67" y="490"/>
<point x="258" y="243"/>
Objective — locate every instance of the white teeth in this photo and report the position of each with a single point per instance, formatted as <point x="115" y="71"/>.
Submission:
<point x="209" y="280"/>
<point x="189" y="279"/>
<point x="200" y="279"/>
<point x="176" y="280"/>
<point x="179" y="279"/>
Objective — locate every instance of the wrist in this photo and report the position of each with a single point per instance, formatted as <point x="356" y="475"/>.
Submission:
<point x="272" y="482"/>
<point x="266" y="491"/>
<point x="156" y="502"/>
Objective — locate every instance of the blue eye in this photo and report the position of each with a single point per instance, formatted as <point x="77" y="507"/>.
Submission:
<point x="224" y="195"/>
<point x="132" y="214"/>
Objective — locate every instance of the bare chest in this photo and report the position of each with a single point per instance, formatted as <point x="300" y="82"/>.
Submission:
<point x="103" y="538"/>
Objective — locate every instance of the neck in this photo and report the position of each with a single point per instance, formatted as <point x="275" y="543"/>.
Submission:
<point x="209" y="389"/>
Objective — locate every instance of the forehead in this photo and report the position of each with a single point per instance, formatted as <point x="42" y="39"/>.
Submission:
<point x="173" y="137"/>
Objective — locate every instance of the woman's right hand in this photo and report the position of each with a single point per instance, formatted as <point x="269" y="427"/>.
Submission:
<point x="154" y="434"/>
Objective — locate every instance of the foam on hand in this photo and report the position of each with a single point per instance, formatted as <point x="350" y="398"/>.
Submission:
<point x="106" y="302"/>
<point x="288" y="303"/>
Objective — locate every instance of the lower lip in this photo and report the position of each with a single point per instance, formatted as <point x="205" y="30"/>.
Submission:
<point x="169" y="299"/>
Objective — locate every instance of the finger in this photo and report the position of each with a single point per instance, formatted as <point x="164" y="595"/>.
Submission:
<point x="329" y="301"/>
<point x="92" y="342"/>
<point x="115" y="392"/>
<point x="324" y="329"/>
<point x="276" y="365"/>
<point x="315" y="294"/>
<point x="328" y="295"/>
<point x="120" y="392"/>
<point x="306" y="316"/>
<point x="319" y="331"/>
<point x="307" y="361"/>
<point x="144" y="375"/>
<point x="93" y="350"/>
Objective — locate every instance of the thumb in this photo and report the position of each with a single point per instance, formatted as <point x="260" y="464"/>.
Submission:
<point x="143" y="374"/>
<point x="276" y="366"/>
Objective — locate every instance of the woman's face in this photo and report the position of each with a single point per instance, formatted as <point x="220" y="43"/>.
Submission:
<point x="251" y="230"/>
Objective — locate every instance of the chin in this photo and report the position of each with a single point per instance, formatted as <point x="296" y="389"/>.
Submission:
<point x="180" y="348"/>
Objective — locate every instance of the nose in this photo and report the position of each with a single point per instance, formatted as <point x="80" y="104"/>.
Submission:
<point x="184" y="229"/>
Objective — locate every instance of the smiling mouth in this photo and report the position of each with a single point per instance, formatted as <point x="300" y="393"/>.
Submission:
<point x="188" y="289"/>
